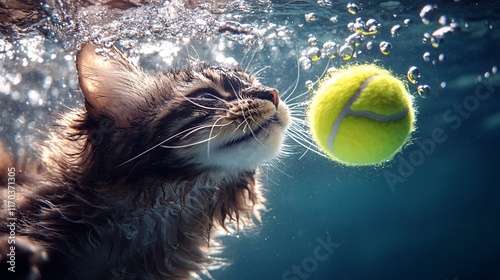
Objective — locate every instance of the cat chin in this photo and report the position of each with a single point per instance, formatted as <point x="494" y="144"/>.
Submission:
<point x="261" y="146"/>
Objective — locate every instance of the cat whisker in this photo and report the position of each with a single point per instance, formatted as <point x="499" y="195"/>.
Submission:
<point x="157" y="145"/>
<point x="302" y="137"/>
<point x="256" y="138"/>
<point x="191" y="144"/>
<point x="201" y="127"/>
<point x="295" y="85"/>
<point x="257" y="73"/>
<point x="242" y="123"/>
<point x="212" y="130"/>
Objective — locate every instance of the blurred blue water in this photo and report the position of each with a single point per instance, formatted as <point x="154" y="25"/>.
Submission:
<point x="443" y="220"/>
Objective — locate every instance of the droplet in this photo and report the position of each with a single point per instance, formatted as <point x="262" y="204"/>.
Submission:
<point x="443" y="20"/>
<point x="346" y="52"/>
<point x="385" y="47"/>
<point x="354" y="39"/>
<point x="407" y="22"/>
<point x="371" y="27"/>
<point x="312" y="40"/>
<point x="369" y="45"/>
<point x="248" y="40"/>
<point x="438" y="36"/>
<point x="358" y="27"/>
<point x="314" y="54"/>
<point x="426" y="56"/>
<point x="427" y="13"/>
<point x="330" y="49"/>
<point x="413" y="75"/>
<point x="425" y="38"/>
<point x="332" y="69"/>
<point x="305" y="62"/>
<point x="309" y="84"/>
<point x="424" y="91"/>
<point x="310" y="17"/>
<point x="352" y="8"/>
<point x="395" y="30"/>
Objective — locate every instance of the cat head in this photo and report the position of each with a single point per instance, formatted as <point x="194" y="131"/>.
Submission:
<point x="200" y="117"/>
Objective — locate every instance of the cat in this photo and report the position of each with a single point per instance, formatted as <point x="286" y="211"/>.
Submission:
<point x="136" y="184"/>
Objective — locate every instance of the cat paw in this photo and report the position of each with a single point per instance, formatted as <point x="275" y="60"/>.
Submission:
<point x="20" y="259"/>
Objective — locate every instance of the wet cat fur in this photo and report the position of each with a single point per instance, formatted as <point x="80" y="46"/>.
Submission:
<point x="137" y="183"/>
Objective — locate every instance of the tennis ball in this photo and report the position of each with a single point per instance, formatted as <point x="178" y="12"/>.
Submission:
<point x="361" y="115"/>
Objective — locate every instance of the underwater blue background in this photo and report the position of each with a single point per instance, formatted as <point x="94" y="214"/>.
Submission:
<point x="433" y="212"/>
<point x="441" y="220"/>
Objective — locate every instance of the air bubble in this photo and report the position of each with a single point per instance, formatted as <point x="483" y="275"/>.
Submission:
<point x="312" y="40"/>
<point x="385" y="47"/>
<point x="426" y="56"/>
<point x="443" y="84"/>
<point x="354" y="39"/>
<point x="438" y="36"/>
<point x="413" y="75"/>
<point x="426" y="38"/>
<point x="310" y="17"/>
<point x="395" y="30"/>
<point x="424" y="91"/>
<point x="314" y="54"/>
<point x="330" y="49"/>
<point x="34" y="98"/>
<point x="487" y="75"/>
<point x="369" y="28"/>
<point x="443" y="20"/>
<point x="369" y="45"/>
<point x="334" y="19"/>
<point x="332" y="69"/>
<point x="305" y="62"/>
<point x="248" y="40"/>
<point x="427" y="13"/>
<point x="407" y="22"/>
<point x="494" y="69"/>
<point x="309" y="84"/>
<point x="346" y="52"/>
<point x="352" y="8"/>
<point x="441" y="57"/>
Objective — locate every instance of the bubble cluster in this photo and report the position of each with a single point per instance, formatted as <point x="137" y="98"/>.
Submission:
<point x="305" y="62"/>
<point x="369" y="27"/>
<point x="330" y="49"/>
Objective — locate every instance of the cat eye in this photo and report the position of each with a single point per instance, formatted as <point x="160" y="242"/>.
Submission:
<point x="205" y="94"/>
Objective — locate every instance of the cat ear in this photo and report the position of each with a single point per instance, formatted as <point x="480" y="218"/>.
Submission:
<point x="109" y="84"/>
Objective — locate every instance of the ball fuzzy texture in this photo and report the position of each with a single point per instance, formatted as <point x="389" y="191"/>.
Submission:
<point x="361" y="115"/>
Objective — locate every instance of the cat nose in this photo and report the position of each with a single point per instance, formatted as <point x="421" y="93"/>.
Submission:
<point x="270" y="94"/>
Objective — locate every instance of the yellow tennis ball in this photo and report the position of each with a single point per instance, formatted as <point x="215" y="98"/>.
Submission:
<point x="361" y="115"/>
